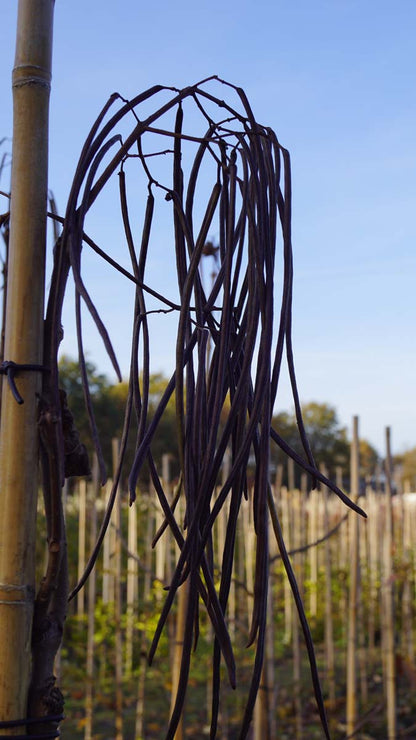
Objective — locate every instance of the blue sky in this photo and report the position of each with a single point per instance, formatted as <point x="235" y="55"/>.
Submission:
<point x="335" y="80"/>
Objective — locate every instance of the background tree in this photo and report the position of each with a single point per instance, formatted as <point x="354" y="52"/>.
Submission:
<point x="369" y="458"/>
<point x="109" y="403"/>
<point x="328" y="440"/>
<point x="407" y="462"/>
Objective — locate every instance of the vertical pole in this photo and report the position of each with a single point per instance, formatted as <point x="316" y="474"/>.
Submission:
<point x="313" y="553"/>
<point x="23" y="345"/>
<point x="388" y="603"/>
<point x="108" y="577"/>
<point x="117" y="604"/>
<point x="147" y="517"/>
<point x="297" y="567"/>
<point x="92" y="496"/>
<point x="82" y="521"/>
<point x="329" y="626"/>
<point x="132" y="581"/>
<point x="288" y="597"/>
<point x="352" y="710"/>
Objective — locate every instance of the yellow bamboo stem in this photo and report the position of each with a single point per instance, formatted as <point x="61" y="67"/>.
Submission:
<point x="92" y="495"/>
<point x="388" y="601"/>
<point x="23" y="344"/>
<point x="352" y="708"/>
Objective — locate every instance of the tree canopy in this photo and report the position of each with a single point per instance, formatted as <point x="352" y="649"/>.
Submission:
<point x="109" y="403"/>
<point x="328" y="437"/>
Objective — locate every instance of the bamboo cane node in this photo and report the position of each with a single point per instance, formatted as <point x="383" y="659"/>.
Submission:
<point x="12" y="594"/>
<point x="10" y="368"/>
<point x="31" y="74"/>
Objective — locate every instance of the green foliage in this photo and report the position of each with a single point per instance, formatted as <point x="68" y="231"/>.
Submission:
<point x="408" y="462"/>
<point x="368" y="458"/>
<point x="109" y="404"/>
<point x="327" y="438"/>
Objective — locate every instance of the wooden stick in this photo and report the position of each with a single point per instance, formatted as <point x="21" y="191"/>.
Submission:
<point x="89" y="696"/>
<point x="132" y="580"/>
<point x="288" y="598"/>
<point x="329" y="627"/>
<point x="117" y="604"/>
<point x="313" y="553"/>
<point x="352" y="709"/>
<point x="23" y="345"/>
<point x="82" y="509"/>
<point x="388" y="639"/>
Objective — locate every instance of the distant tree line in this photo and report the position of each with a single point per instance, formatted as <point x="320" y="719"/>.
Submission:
<point x="109" y="404"/>
<point x="328" y="438"/>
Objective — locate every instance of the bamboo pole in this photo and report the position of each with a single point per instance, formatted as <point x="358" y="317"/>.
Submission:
<point x="92" y="495"/>
<point x="329" y="626"/>
<point x="387" y="597"/>
<point x="288" y="607"/>
<point x="177" y="653"/>
<point x="147" y="525"/>
<point x="373" y="568"/>
<point x="296" y="528"/>
<point x="108" y="578"/>
<point x="313" y="553"/>
<point x="352" y="709"/>
<point x="407" y="632"/>
<point x="82" y="504"/>
<point x="132" y="581"/>
<point x="249" y="546"/>
<point x="363" y="567"/>
<point x="160" y="550"/>
<point x="263" y="708"/>
<point x="117" y="603"/>
<point x="23" y="345"/>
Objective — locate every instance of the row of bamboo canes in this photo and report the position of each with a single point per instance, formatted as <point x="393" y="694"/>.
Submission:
<point x="359" y="616"/>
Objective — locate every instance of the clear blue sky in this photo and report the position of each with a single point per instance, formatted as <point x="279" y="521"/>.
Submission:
<point x="336" y="80"/>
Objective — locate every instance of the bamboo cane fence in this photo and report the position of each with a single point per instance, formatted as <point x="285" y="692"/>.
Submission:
<point x="382" y="674"/>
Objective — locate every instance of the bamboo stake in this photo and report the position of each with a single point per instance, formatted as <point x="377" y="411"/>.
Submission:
<point x="58" y="659"/>
<point x="407" y="632"/>
<point x="313" y="553"/>
<point x="132" y="576"/>
<point x="352" y="710"/>
<point x="270" y="665"/>
<point x="23" y="344"/>
<point x="249" y="545"/>
<point x="92" y="581"/>
<point x="177" y="654"/>
<point x="117" y="604"/>
<point x="388" y="638"/>
<point x="108" y="579"/>
<point x="373" y="568"/>
<point x="284" y="501"/>
<point x="329" y="627"/>
<point x="363" y="572"/>
<point x="167" y="485"/>
<point x="82" y="503"/>
<point x="342" y="558"/>
<point x="297" y="654"/>
<point x="160" y="550"/>
<point x="264" y="724"/>
<point x="141" y="685"/>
